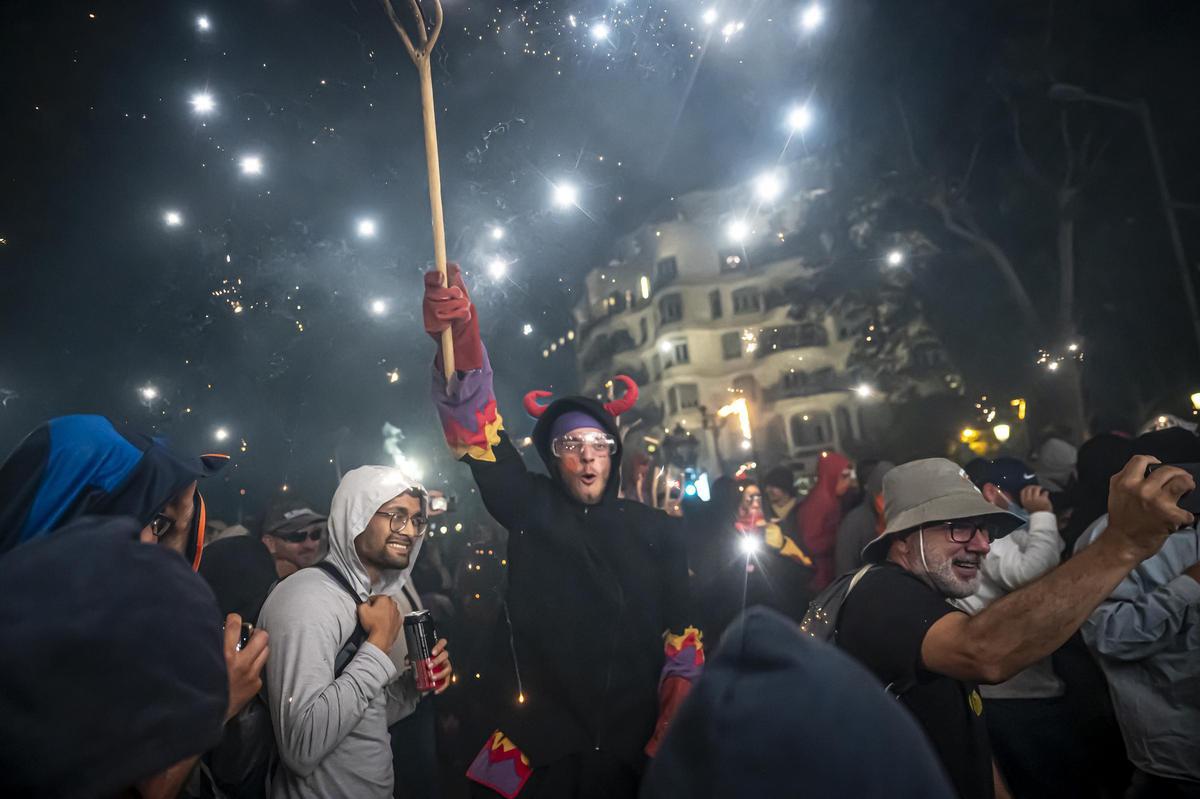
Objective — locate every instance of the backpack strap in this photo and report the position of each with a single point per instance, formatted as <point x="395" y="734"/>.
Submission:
<point x="897" y="688"/>
<point x="344" y="655"/>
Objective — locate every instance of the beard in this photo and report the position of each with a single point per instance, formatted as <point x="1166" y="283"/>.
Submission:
<point x="941" y="573"/>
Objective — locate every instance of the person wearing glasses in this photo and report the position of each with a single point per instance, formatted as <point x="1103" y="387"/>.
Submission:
<point x="596" y="602"/>
<point x="335" y="629"/>
<point x="295" y="538"/>
<point x="897" y="621"/>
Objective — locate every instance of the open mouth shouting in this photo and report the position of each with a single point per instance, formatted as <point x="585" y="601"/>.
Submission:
<point x="589" y="478"/>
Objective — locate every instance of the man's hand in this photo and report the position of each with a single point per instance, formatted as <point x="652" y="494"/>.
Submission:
<point x="1143" y="510"/>
<point x="1036" y="499"/>
<point x="380" y="617"/>
<point x="243" y="667"/>
<point x="442" y="670"/>
<point x="450" y="307"/>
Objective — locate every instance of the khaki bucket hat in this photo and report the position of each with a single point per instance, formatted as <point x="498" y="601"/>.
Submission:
<point x="930" y="491"/>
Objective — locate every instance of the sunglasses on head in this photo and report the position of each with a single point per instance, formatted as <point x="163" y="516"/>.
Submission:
<point x="299" y="536"/>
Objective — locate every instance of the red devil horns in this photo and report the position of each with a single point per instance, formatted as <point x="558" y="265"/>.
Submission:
<point x="535" y="408"/>
<point x="532" y="406"/>
<point x="625" y="403"/>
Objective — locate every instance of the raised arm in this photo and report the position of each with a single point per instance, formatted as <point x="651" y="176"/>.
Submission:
<point x="471" y="421"/>
<point x="1027" y="625"/>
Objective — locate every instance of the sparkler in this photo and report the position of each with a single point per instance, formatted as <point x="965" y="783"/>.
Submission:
<point x="768" y="186"/>
<point x="864" y="391"/>
<point x="565" y="195"/>
<point x="527" y="329"/>
<point x="738" y="230"/>
<point x="812" y="17"/>
<point x="202" y="23"/>
<point x="378" y="307"/>
<point x="203" y="103"/>
<point x="221" y="434"/>
<point x="366" y="228"/>
<point x="173" y="218"/>
<point x="251" y="165"/>
<point x="600" y="31"/>
<point x="149" y="393"/>
<point x="799" y="118"/>
<point x="497" y="268"/>
<point x="895" y="258"/>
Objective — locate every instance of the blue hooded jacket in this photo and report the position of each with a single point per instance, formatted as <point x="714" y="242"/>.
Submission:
<point x="83" y="465"/>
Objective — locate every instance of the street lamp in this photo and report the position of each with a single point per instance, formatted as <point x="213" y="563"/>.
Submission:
<point x="1067" y="93"/>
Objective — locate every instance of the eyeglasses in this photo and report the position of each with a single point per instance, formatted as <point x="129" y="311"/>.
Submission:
<point x="299" y="536"/>
<point x="398" y="521"/>
<point x="961" y="532"/>
<point x="160" y="525"/>
<point x="595" y="443"/>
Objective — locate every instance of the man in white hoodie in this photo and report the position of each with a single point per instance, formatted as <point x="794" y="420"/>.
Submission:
<point x="328" y="704"/>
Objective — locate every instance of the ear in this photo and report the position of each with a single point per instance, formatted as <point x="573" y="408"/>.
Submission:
<point x="990" y="492"/>
<point x="269" y="542"/>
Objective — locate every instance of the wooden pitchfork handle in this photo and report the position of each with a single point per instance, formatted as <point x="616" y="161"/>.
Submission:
<point x="421" y="58"/>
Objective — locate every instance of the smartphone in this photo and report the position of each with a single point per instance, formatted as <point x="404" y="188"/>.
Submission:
<point x="1191" y="500"/>
<point x="244" y="636"/>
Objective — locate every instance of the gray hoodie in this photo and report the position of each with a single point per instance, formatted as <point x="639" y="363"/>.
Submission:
<point x="332" y="733"/>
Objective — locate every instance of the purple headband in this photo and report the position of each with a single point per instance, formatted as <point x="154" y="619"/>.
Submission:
<point x="573" y="420"/>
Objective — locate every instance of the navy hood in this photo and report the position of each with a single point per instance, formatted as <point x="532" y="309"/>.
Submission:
<point x="778" y="714"/>
<point x="84" y="465"/>
<point x="113" y="665"/>
<point x="605" y="420"/>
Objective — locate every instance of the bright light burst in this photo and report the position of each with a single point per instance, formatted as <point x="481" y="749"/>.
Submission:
<point x="526" y="329"/>
<point x="895" y="258"/>
<point x="864" y="391"/>
<point x="565" y="195"/>
<point x="149" y="393"/>
<point x="221" y="434"/>
<point x="202" y="23"/>
<point x="748" y="545"/>
<point x="601" y="31"/>
<point x="768" y="186"/>
<point x="203" y="103"/>
<point x="497" y="268"/>
<point x="173" y="218"/>
<point x="738" y="230"/>
<point x="731" y="28"/>
<point x="812" y="17"/>
<point x="497" y="233"/>
<point x="799" y="119"/>
<point x="709" y="17"/>
<point x="378" y="307"/>
<point x="251" y="165"/>
<point x="366" y="228"/>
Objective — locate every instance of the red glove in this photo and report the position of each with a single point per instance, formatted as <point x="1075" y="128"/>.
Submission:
<point x="451" y="307"/>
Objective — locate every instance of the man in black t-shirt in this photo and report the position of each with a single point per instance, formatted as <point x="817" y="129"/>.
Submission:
<point x="898" y="623"/>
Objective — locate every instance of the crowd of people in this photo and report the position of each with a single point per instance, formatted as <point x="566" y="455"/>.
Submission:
<point x="920" y="629"/>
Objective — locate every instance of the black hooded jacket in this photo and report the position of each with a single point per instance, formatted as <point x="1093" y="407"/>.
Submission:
<point x="591" y="591"/>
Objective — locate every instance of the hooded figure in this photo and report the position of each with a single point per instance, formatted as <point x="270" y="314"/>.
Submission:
<point x="821" y="514"/>
<point x="83" y="465"/>
<point x="777" y="714"/>
<point x="863" y="523"/>
<point x="331" y="729"/>
<point x="593" y="588"/>
<point x="112" y="676"/>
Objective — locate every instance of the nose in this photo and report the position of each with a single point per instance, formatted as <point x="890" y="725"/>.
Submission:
<point x="979" y="543"/>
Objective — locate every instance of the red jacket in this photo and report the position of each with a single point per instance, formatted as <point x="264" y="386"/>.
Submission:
<point x="820" y="516"/>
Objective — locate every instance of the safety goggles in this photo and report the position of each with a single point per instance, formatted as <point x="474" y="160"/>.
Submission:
<point x="595" y="443"/>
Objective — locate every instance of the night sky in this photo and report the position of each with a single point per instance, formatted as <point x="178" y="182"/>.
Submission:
<point x="630" y="102"/>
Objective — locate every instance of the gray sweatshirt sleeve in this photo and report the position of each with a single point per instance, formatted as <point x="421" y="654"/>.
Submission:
<point x="310" y="710"/>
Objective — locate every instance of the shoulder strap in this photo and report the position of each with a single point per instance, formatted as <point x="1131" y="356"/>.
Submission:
<point x="339" y="578"/>
<point x="342" y="659"/>
<point x="412" y="601"/>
